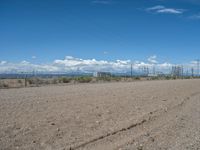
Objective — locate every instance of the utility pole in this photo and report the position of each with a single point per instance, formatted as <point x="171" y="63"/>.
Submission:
<point x="131" y="70"/>
<point x="198" y="63"/>
<point x="192" y="70"/>
<point x="182" y="71"/>
<point x="154" y="70"/>
<point x="187" y="73"/>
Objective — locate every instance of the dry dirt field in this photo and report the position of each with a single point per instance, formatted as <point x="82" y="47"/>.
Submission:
<point x="146" y="115"/>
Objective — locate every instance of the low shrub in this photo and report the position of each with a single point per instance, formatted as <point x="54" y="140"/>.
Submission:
<point x="3" y="85"/>
<point x="174" y="78"/>
<point x="83" y="79"/>
<point x="168" y="78"/>
<point x="55" y="81"/>
<point x="30" y="81"/>
<point x="19" y="81"/>
<point x="64" y="80"/>
<point x="104" y="79"/>
<point x="36" y="81"/>
<point x="137" y="78"/>
<point x="116" y="79"/>
<point x="187" y="77"/>
<point x="155" y="78"/>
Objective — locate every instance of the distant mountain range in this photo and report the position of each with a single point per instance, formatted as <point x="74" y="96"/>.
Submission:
<point x="51" y="75"/>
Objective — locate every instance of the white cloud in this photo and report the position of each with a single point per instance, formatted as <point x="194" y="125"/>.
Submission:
<point x="152" y="59"/>
<point x="33" y="57"/>
<point x="25" y="66"/>
<point x="196" y="16"/>
<point x="90" y="65"/>
<point x="170" y="11"/>
<point x="71" y="64"/>
<point x="3" y="62"/>
<point x="164" y="65"/>
<point x="24" y="62"/>
<point x="165" y="10"/>
<point x="194" y="62"/>
<point x="158" y="7"/>
<point x="103" y="2"/>
<point x="105" y="52"/>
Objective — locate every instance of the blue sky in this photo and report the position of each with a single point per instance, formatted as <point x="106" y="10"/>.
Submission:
<point x="41" y="31"/>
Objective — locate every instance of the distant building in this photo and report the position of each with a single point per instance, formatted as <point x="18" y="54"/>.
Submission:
<point x="161" y="74"/>
<point x="152" y="75"/>
<point x="102" y="74"/>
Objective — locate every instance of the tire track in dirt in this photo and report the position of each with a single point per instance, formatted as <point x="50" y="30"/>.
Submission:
<point x="107" y="135"/>
<point x="149" y="117"/>
<point x="180" y="106"/>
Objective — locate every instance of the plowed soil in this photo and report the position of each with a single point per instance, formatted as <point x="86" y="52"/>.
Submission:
<point x="146" y="115"/>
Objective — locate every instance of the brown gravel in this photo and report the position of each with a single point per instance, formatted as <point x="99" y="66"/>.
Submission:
<point x="137" y="115"/>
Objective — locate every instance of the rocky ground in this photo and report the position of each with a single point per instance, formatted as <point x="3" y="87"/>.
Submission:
<point x="146" y="115"/>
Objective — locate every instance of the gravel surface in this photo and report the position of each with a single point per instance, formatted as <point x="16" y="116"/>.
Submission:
<point x="123" y="116"/>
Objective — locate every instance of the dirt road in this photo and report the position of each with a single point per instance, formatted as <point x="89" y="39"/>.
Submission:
<point x="136" y="115"/>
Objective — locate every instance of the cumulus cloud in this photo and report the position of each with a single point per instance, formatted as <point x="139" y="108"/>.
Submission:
<point x="24" y="62"/>
<point x="3" y="62"/>
<point x="91" y="65"/>
<point x="195" y="62"/>
<point x="152" y="59"/>
<point x="164" y="10"/>
<point x="33" y="57"/>
<point x="71" y="64"/>
<point x="195" y="17"/>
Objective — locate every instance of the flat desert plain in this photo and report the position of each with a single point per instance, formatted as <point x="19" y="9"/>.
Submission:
<point x="146" y="115"/>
